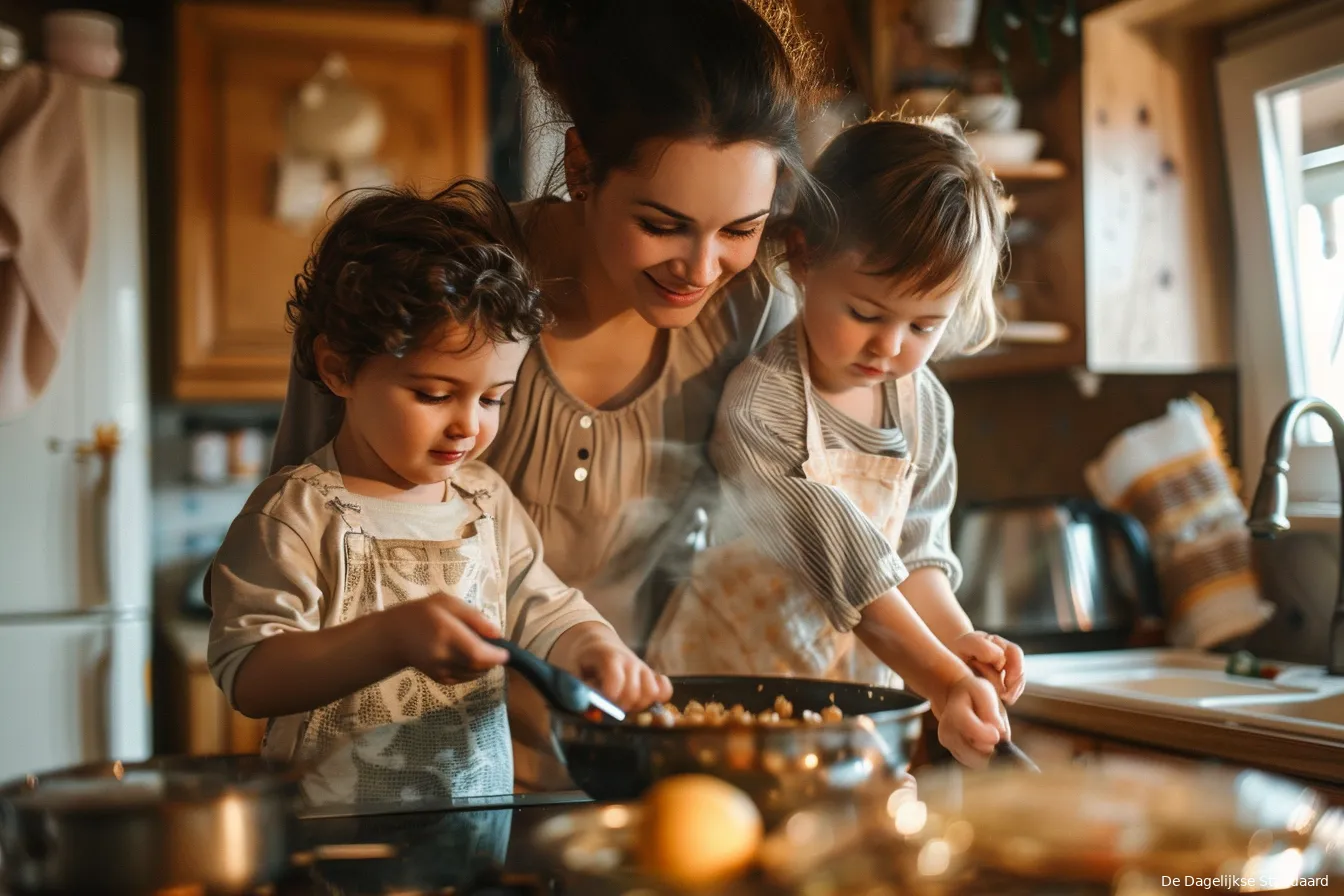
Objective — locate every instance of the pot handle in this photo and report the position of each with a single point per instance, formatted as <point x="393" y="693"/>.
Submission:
<point x="1140" y="554"/>
<point x="24" y="838"/>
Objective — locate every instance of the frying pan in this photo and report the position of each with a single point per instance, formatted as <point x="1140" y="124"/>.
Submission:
<point x="780" y="767"/>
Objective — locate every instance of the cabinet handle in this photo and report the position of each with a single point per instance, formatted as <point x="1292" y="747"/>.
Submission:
<point x="104" y="445"/>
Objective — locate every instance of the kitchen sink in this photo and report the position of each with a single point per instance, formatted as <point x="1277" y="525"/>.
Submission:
<point x="1176" y="683"/>
<point x="1324" y="715"/>
<point x="1186" y="684"/>
<point x="1163" y="676"/>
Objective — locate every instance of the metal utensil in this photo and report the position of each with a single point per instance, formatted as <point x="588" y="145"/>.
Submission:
<point x="780" y="767"/>
<point x="221" y="824"/>
<point x="560" y="689"/>
<point x="1009" y="751"/>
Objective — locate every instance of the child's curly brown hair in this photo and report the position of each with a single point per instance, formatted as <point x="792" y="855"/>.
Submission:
<point x="396" y="265"/>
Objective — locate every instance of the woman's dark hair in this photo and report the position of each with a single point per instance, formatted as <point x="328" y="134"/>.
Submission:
<point x="396" y="265"/>
<point x="628" y="71"/>
<point x="913" y="198"/>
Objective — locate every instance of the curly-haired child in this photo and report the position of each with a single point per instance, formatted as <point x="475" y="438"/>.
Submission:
<point x="351" y="594"/>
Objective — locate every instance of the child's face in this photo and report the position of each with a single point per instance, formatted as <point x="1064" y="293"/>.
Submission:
<point x="422" y="415"/>
<point x="671" y="233"/>
<point x="864" y="329"/>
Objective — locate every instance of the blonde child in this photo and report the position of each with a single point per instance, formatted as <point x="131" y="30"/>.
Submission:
<point x="351" y="594"/>
<point x="834" y="444"/>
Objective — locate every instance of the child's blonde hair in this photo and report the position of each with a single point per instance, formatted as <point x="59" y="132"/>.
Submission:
<point x="912" y="196"/>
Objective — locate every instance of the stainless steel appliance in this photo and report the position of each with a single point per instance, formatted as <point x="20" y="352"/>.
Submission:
<point x="1047" y="570"/>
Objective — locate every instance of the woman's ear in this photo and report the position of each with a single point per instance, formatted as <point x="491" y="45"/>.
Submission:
<point x="332" y="367"/>
<point x="578" y="166"/>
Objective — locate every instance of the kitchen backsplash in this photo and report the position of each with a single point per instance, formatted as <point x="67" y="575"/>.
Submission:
<point x="1033" y="435"/>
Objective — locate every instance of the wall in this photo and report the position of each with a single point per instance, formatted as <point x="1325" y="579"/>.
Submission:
<point x="1032" y="435"/>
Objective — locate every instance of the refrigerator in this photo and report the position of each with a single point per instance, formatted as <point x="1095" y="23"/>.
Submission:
<point x="75" y="577"/>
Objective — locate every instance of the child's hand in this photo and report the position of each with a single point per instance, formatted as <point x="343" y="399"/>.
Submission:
<point x="970" y="722"/>
<point x="596" y="654"/>
<point x="441" y="636"/>
<point x="997" y="659"/>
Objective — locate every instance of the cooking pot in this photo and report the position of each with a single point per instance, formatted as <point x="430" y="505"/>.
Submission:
<point x="218" y="824"/>
<point x="1049" y="566"/>
<point x="780" y="767"/>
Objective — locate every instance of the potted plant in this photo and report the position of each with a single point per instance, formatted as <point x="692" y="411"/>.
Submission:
<point x="1040" y="18"/>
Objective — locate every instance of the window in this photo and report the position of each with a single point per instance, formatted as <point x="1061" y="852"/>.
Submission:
<point x="1281" y="91"/>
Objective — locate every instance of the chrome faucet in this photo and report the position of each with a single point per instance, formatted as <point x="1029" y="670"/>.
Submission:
<point x="1269" y="507"/>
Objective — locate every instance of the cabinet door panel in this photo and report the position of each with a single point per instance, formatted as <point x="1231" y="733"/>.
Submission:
<point x="239" y="67"/>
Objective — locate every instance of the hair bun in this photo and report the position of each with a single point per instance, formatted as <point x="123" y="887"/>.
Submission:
<point x="549" y="33"/>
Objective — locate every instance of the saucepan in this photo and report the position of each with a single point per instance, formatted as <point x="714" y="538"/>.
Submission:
<point x="780" y="766"/>
<point x="222" y="824"/>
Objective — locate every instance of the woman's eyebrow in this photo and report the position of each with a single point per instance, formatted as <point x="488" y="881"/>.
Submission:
<point x="681" y="216"/>
<point x="454" y="381"/>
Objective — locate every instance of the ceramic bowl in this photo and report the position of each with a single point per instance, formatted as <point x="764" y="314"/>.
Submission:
<point x="1007" y="147"/>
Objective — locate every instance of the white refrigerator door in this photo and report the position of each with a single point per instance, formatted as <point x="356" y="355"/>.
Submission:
<point x="75" y="534"/>
<point x="73" y="691"/>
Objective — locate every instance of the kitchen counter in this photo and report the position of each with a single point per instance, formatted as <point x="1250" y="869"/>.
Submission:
<point x="194" y="718"/>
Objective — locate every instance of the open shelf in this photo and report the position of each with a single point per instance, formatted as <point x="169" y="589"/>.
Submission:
<point x="1013" y="359"/>
<point x="1035" y="332"/>
<point x="1041" y="169"/>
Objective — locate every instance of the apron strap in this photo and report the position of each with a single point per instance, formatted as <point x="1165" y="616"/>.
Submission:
<point x="907" y="412"/>
<point x="816" y="444"/>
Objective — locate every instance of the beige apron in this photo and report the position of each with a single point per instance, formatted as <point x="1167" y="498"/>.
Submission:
<point x="743" y="613"/>
<point x="408" y="737"/>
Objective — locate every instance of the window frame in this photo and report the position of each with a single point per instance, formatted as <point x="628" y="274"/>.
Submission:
<point x="1262" y="58"/>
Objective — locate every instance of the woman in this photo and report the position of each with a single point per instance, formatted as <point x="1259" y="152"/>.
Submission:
<point x="684" y="141"/>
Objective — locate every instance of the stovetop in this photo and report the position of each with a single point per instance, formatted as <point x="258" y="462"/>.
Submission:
<point x="485" y="851"/>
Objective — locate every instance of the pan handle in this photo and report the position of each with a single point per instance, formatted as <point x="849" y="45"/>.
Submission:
<point x="561" y="689"/>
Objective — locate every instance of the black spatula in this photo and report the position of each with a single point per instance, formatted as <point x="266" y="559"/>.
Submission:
<point x="560" y="689"/>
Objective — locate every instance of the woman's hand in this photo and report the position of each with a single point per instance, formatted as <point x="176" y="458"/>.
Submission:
<point x="970" y="722"/>
<point x="594" y="653"/>
<point x="442" y="637"/>
<point x="997" y="659"/>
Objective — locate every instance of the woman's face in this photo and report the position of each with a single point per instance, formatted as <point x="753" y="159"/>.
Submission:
<point x="672" y="230"/>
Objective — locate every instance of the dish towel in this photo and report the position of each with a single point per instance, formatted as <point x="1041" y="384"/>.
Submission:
<point x="1172" y="474"/>
<point x="44" y="227"/>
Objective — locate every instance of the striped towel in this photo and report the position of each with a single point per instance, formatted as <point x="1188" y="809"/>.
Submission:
<point x="1172" y="475"/>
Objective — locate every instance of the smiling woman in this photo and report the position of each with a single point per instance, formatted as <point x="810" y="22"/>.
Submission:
<point x="684" y="142"/>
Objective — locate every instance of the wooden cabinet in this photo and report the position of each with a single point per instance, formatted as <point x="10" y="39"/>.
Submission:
<point x="1157" y="237"/>
<point x="238" y="69"/>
